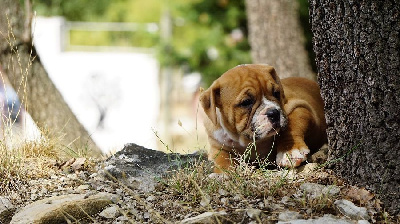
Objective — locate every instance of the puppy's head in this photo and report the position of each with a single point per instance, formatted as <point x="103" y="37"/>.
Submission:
<point x="246" y="103"/>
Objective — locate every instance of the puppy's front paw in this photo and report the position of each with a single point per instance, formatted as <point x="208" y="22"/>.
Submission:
<point x="292" y="158"/>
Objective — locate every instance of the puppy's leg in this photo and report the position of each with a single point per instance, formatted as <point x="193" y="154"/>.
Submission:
<point x="222" y="159"/>
<point x="291" y="148"/>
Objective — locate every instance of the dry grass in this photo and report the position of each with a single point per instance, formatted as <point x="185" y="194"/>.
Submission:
<point x="241" y="189"/>
<point x="22" y="159"/>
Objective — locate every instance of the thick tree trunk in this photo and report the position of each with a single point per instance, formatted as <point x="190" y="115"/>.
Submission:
<point x="21" y="64"/>
<point x="357" y="46"/>
<point x="276" y="37"/>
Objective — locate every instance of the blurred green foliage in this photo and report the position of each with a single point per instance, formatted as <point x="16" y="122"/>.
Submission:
<point x="208" y="36"/>
<point x="73" y="10"/>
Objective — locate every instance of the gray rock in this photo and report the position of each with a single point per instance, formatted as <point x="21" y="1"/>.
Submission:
<point x="289" y="215"/>
<point x="207" y="217"/>
<point x="327" y="219"/>
<point x="314" y="190"/>
<point x="138" y="167"/>
<point x="111" y="212"/>
<point x="6" y="210"/>
<point x="58" y="209"/>
<point x="349" y="209"/>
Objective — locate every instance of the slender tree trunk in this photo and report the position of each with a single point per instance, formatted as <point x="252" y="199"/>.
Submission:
<point x="21" y="64"/>
<point x="276" y="37"/>
<point x="357" y="46"/>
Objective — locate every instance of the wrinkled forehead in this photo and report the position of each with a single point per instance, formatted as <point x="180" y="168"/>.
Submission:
<point x="256" y="78"/>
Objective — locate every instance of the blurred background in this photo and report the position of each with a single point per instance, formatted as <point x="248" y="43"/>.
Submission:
<point x="131" y="70"/>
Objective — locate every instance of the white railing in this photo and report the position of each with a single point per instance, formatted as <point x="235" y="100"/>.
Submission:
<point x="68" y="26"/>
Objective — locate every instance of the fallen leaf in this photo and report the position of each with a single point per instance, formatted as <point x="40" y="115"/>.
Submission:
<point x="358" y="195"/>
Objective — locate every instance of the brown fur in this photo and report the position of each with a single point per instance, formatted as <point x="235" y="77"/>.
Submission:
<point x="230" y="124"/>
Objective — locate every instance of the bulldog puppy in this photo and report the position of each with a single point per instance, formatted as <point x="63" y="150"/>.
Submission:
<point x="250" y="104"/>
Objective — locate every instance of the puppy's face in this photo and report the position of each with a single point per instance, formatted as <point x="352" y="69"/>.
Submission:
<point x="245" y="104"/>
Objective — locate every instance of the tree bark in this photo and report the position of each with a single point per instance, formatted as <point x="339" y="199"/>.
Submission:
<point x="21" y="64"/>
<point x="357" y="46"/>
<point x="276" y="37"/>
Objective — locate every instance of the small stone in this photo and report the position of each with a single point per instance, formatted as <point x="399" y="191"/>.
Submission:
<point x="218" y="176"/>
<point x="253" y="213"/>
<point x="121" y="220"/>
<point x="150" y="198"/>
<point x="110" y="212"/>
<point x="222" y="192"/>
<point x="109" y="167"/>
<point x="237" y="198"/>
<point x="93" y="175"/>
<point x="64" y="179"/>
<point x="207" y="217"/>
<point x="78" y="164"/>
<point x="34" y="197"/>
<point x="225" y="201"/>
<point x="72" y="176"/>
<point x="44" y="191"/>
<point x="349" y="209"/>
<point x="205" y="201"/>
<point x="285" y="200"/>
<point x="317" y="190"/>
<point x="83" y="187"/>
<point x="119" y="191"/>
<point x="289" y="215"/>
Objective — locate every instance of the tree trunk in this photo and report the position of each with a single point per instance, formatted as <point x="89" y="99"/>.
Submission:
<point x="357" y="47"/>
<point x="22" y="66"/>
<point x="276" y="37"/>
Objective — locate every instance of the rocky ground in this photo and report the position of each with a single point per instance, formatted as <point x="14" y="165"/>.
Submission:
<point x="139" y="185"/>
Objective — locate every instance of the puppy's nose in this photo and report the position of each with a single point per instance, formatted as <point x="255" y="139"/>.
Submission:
<point x="273" y="115"/>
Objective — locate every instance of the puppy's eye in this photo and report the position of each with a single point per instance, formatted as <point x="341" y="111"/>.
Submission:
<point x="276" y="94"/>
<point x="246" y="103"/>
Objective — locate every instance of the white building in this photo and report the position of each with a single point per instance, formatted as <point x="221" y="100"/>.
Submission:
<point x="122" y="85"/>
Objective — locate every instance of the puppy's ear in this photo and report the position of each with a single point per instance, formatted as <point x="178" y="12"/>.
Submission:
<point x="210" y="101"/>
<point x="276" y="78"/>
<point x="272" y="72"/>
